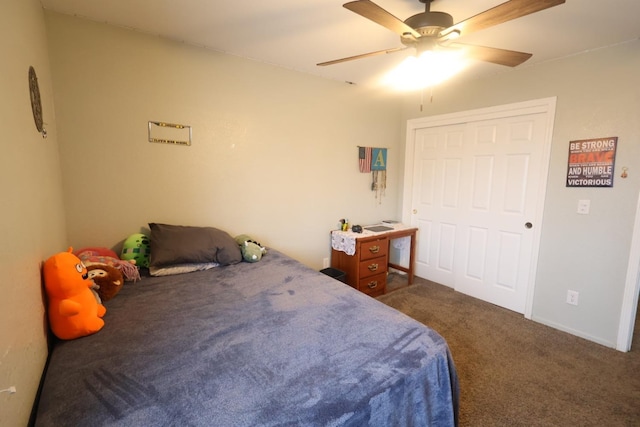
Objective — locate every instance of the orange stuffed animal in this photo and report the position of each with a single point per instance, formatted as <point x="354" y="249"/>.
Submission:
<point x="73" y="309"/>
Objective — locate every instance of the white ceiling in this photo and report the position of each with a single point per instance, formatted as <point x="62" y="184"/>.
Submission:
<point x="297" y="34"/>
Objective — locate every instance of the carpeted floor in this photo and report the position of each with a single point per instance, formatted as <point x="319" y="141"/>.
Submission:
<point x="515" y="372"/>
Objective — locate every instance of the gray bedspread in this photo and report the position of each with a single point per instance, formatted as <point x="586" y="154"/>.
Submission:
<point x="272" y="343"/>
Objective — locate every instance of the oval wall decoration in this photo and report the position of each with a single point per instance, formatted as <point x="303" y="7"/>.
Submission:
<point x="36" y="103"/>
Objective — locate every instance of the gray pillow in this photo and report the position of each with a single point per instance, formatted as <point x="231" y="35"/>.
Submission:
<point x="178" y="244"/>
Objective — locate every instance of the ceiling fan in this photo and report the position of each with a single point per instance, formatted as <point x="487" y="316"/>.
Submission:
<point x="432" y="30"/>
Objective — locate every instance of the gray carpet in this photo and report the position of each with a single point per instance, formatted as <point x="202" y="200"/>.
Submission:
<point x="515" y="372"/>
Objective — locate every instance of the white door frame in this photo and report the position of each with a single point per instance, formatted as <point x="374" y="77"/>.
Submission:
<point x="544" y="105"/>
<point x="631" y="289"/>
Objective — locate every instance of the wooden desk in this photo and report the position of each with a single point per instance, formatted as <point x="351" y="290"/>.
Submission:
<point x="367" y="269"/>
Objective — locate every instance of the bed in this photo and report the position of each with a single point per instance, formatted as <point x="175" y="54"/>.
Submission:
<point x="270" y="343"/>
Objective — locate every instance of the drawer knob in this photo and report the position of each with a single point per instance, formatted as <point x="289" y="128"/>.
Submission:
<point x="372" y="284"/>
<point x="374" y="249"/>
<point x="372" y="267"/>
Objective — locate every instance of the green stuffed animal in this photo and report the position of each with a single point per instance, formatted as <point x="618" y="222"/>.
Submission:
<point x="137" y="247"/>
<point x="252" y="251"/>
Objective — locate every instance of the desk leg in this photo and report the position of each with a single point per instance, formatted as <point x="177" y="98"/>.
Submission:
<point x="412" y="253"/>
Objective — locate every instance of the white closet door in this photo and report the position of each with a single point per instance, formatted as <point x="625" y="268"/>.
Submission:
<point x="476" y="188"/>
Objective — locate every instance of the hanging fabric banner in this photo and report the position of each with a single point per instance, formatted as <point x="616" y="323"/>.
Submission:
<point x="379" y="172"/>
<point x="379" y="159"/>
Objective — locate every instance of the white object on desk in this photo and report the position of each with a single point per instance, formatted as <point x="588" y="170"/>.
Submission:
<point x="345" y="241"/>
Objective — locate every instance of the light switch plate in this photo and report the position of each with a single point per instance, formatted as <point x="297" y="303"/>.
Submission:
<point x="584" y="206"/>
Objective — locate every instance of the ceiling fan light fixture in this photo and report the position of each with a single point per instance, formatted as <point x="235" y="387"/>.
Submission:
<point x="427" y="69"/>
<point x="429" y="23"/>
<point x="448" y="37"/>
<point x="428" y="31"/>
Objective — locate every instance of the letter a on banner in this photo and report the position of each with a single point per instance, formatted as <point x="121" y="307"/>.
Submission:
<point x="379" y="159"/>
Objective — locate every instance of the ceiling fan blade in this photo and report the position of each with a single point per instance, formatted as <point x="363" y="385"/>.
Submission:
<point x="510" y="58"/>
<point x="375" y="13"/>
<point x="504" y="12"/>
<point x="364" y="55"/>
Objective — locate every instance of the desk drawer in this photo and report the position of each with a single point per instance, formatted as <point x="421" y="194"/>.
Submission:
<point x="374" y="249"/>
<point x="373" y="286"/>
<point x="373" y="266"/>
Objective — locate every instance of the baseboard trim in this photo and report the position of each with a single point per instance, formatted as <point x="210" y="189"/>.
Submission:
<point x="574" y="332"/>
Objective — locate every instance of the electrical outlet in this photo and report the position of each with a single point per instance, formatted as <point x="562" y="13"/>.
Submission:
<point x="572" y="297"/>
<point x="325" y="262"/>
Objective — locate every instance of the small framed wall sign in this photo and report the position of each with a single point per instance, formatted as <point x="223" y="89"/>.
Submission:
<point x="169" y="133"/>
<point x="591" y="162"/>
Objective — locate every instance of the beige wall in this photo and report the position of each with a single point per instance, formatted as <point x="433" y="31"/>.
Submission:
<point x="597" y="96"/>
<point x="273" y="156"/>
<point x="32" y="216"/>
